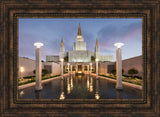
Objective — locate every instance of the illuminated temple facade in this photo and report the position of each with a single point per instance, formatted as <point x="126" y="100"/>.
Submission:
<point x="79" y="52"/>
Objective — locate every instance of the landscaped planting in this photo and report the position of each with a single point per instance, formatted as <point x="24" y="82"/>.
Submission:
<point x="126" y="78"/>
<point x="32" y="79"/>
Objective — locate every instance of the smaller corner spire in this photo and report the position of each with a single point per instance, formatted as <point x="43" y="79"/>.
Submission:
<point x="62" y="42"/>
<point x="97" y="42"/>
<point x="79" y="30"/>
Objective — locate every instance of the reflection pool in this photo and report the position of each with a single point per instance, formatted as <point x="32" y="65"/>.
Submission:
<point x="79" y="87"/>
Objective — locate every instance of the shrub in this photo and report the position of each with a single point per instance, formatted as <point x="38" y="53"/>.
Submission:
<point x="66" y="59"/>
<point x="34" y="71"/>
<point x="113" y="71"/>
<point x="73" y="69"/>
<point x="44" y="71"/>
<point x="92" y="58"/>
<point x="132" y="71"/>
<point x="122" y="71"/>
<point x="28" y="77"/>
<point x="33" y="79"/>
<point x="139" y="77"/>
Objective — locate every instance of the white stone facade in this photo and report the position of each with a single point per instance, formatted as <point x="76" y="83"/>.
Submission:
<point x="106" y="58"/>
<point x="80" y="56"/>
<point x="52" y="58"/>
<point x="79" y="44"/>
<point x="28" y="64"/>
<point x="135" y="62"/>
<point x="52" y="67"/>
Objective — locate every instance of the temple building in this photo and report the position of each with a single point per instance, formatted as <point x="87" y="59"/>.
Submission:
<point x="79" y="60"/>
<point x="79" y="52"/>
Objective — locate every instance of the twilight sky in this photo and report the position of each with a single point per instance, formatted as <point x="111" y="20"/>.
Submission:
<point x="108" y="31"/>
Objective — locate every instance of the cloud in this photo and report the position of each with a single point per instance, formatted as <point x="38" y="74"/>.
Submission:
<point x="112" y="33"/>
<point x="90" y="40"/>
<point x="128" y="31"/>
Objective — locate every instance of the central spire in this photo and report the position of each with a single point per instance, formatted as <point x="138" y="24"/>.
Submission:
<point x="62" y="42"/>
<point x="79" y="30"/>
<point x="97" y="42"/>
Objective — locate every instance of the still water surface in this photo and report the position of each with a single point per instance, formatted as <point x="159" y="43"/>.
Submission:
<point x="79" y="87"/>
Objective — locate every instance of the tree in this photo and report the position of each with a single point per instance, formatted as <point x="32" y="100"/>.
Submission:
<point x="132" y="71"/>
<point x="66" y="59"/>
<point x="44" y="71"/>
<point x="92" y="58"/>
<point x="122" y="71"/>
<point x="34" y="71"/>
<point x="113" y="71"/>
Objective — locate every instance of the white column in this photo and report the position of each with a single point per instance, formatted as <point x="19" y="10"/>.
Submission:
<point x="82" y="68"/>
<point x="76" y="68"/>
<point x="71" y="69"/>
<point x="119" y="69"/>
<point x="38" y="70"/>
<point x="68" y="68"/>
<point x="88" y="69"/>
<point x="62" y="68"/>
<point x="97" y="68"/>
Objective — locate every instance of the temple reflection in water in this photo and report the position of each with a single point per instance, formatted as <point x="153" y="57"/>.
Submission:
<point x="79" y="87"/>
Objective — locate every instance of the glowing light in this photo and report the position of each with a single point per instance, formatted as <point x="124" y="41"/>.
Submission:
<point x="79" y="72"/>
<point x="97" y="59"/>
<point x="21" y="93"/>
<point x="97" y="96"/>
<point x="38" y="44"/>
<point x="62" y="97"/>
<point x="118" y="45"/>
<point x="68" y="64"/>
<point x="62" y="60"/>
<point x="91" y="88"/>
<point x="21" y="69"/>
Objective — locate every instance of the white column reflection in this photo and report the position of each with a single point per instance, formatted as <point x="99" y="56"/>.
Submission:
<point x="88" y="82"/>
<point x="68" y="86"/>
<point x="71" y="82"/>
<point x="91" y="84"/>
<point x="38" y="94"/>
<point x="97" y="96"/>
<point x="62" y="96"/>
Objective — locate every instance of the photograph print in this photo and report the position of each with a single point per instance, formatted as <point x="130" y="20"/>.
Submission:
<point x="80" y="58"/>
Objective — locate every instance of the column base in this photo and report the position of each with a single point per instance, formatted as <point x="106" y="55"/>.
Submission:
<point x="119" y="87"/>
<point x="38" y="88"/>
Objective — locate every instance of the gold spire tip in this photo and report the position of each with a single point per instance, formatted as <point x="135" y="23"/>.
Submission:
<point x="97" y="42"/>
<point x="79" y="30"/>
<point x="62" y="42"/>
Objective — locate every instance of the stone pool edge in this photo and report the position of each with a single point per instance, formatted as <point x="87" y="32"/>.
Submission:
<point x="124" y="83"/>
<point x="33" y="83"/>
